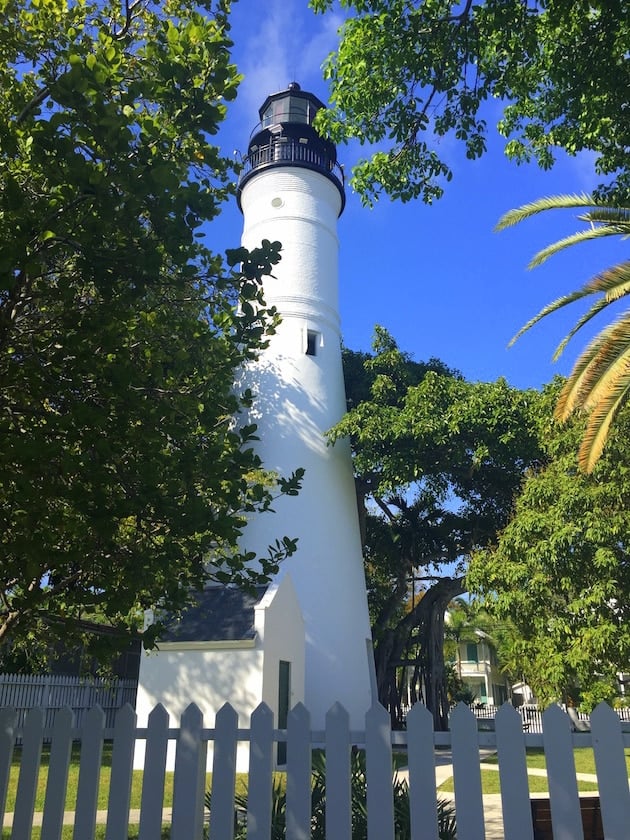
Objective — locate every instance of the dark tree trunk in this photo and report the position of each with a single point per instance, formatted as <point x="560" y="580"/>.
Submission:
<point x="427" y="618"/>
<point x="391" y="644"/>
<point x="431" y="632"/>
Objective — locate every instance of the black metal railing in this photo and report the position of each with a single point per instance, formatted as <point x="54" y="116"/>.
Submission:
<point x="288" y="150"/>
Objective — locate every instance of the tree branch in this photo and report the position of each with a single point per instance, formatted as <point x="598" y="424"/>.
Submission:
<point x="383" y="506"/>
<point x="129" y="10"/>
<point x="30" y="106"/>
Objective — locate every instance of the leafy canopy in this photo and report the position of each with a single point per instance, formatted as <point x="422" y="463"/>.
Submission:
<point x="409" y="72"/>
<point x="561" y="570"/>
<point x="123" y="467"/>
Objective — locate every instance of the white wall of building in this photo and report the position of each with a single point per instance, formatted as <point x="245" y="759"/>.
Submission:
<point x="481" y="672"/>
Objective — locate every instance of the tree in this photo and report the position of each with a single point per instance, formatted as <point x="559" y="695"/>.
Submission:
<point x="408" y="72"/>
<point x="438" y="461"/>
<point x="123" y="468"/>
<point x="600" y="379"/>
<point x="560" y="571"/>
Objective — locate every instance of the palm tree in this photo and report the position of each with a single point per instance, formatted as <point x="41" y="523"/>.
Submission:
<point x="459" y="626"/>
<point x="600" y="379"/>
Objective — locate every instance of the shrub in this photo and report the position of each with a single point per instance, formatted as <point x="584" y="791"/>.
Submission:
<point x="402" y="829"/>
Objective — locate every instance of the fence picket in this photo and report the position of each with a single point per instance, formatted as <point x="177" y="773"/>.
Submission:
<point x="190" y="777"/>
<point x="378" y="759"/>
<point x="120" y="783"/>
<point x="261" y="770"/>
<point x="466" y="774"/>
<point x="224" y="774"/>
<point x="29" y="772"/>
<point x="339" y="806"/>
<point x="57" y="783"/>
<point x="89" y="774"/>
<point x="422" y="787"/>
<point x="517" y="815"/>
<point x="299" y="774"/>
<point x="610" y="764"/>
<point x="154" y="774"/>
<point x="563" y="792"/>
<point x="8" y="720"/>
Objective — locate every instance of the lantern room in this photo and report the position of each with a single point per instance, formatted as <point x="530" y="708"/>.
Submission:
<point x="285" y="136"/>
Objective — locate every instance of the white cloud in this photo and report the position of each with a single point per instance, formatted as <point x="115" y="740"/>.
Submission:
<point x="323" y="40"/>
<point x="284" y="42"/>
<point x="582" y="166"/>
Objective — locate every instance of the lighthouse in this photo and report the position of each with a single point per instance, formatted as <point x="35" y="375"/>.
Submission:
<point x="305" y="637"/>
<point x="291" y="190"/>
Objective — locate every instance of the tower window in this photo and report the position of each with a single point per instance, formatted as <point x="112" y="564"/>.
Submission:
<point x="312" y="341"/>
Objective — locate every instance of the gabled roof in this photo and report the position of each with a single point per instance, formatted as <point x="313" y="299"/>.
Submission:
<point x="220" y="613"/>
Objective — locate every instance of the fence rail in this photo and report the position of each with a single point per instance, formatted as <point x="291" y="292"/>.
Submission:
<point x="192" y="740"/>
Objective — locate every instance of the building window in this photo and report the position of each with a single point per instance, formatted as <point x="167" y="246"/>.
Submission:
<point x="472" y="654"/>
<point x="312" y="342"/>
<point x="284" y="704"/>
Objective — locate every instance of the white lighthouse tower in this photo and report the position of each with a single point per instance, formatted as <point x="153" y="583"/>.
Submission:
<point x="292" y="191"/>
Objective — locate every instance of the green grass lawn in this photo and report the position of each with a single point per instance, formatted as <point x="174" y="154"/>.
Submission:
<point x="584" y="763"/>
<point x="490" y="784"/>
<point x="73" y="779"/>
<point x="71" y="796"/>
<point x="99" y="834"/>
<point x="583" y="756"/>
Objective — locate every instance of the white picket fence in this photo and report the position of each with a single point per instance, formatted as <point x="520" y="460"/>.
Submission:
<point x="192" y="740"/>
<point x="52" y="692"/>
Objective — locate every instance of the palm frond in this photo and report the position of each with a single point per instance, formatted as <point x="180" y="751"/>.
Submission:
<point x="597" y="370"/>
<point x="595" y="309"/>
<point x="575" y="238"/>
<point x="602" y="214"/>
<point x="596" y="434"/>
<point x="551" y="307"/>
<point x="612" y="284"/>
<point x="554" y="202"/>
<point x="570" y="395"/>
<point x="610" y="385"/>
<point x="600" y="380"/>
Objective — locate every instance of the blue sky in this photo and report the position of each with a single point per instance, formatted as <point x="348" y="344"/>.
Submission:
<point x="437" y="277"/>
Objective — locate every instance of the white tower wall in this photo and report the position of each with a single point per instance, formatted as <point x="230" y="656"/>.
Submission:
<point x="300" y="397"/>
